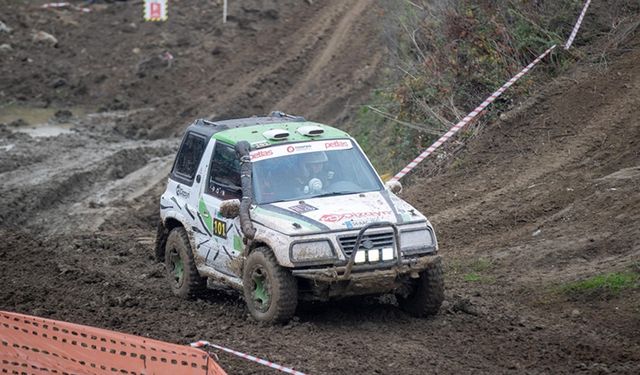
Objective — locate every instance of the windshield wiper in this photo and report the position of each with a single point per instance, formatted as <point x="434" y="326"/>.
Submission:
<point x="334" y="193"/>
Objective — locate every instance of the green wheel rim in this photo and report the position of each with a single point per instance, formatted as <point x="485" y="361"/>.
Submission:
<point x="260" y="292"/>
<point x="177" y="271"/>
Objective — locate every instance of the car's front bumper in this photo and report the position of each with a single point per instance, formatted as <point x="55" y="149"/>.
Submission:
<point x="362" y="273"/>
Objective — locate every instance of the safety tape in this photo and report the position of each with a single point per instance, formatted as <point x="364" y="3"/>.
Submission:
<point x="204" y="344"/>
<point x="469" y="117"/>
<point x="577" y="26"/>
<point x="489" y="100"/>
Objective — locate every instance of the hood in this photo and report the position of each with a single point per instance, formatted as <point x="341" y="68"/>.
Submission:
<point x="342" y="212"/>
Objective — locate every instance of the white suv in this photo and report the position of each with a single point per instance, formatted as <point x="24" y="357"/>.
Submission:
<point x="284" y="209"/>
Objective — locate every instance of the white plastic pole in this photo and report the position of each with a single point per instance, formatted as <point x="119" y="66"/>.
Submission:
<point x="224" y="12"/>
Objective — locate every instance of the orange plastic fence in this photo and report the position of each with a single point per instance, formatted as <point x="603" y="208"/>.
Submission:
<point x="31" y="345"/>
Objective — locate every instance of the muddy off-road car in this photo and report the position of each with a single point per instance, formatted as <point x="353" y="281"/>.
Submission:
<point x="285" y="209"/>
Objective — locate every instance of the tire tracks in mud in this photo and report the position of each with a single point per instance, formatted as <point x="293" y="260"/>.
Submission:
<point x="308" y="52"/>
<point x="85" y="178"/>
<point x="306" y="89"/>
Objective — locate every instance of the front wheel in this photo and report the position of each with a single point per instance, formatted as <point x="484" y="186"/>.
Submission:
<point x="428" y="292"/>
<point x="270" y="291"/>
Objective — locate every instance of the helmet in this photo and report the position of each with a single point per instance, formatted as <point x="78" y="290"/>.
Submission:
<point x="312" y="162"/>
<point x="315" y="157"/>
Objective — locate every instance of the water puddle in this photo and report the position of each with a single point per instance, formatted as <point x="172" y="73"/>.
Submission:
<point x="40" y="122"/>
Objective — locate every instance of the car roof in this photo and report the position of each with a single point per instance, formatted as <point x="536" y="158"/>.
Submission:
<point x="252" y="130"/>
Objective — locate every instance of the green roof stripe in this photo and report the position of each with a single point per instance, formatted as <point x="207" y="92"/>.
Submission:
<point x="253" y="134"/>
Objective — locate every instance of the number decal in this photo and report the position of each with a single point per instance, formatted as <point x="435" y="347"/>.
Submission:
<point x="219" y="228"/>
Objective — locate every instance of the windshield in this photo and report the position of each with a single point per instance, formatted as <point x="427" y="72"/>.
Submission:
<point x="310" y="170"/>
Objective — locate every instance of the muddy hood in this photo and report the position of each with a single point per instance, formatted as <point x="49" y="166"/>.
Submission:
<point x="335" y="213"/>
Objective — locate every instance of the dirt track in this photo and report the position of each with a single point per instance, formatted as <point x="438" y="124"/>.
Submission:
<point x="78" y="210"/>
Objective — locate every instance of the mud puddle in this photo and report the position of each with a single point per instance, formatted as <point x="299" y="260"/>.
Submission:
<point x="41" y="122"/>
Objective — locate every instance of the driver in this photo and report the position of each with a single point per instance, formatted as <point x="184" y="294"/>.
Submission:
<point x="313" y="167"/>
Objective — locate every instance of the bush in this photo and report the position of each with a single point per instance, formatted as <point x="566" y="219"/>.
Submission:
<point x="446" y="57"/>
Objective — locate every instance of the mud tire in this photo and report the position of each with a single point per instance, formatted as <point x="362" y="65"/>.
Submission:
<point x="280" y="285"/>
<point x="428" y="293"/>
<point x="178" y="254"/>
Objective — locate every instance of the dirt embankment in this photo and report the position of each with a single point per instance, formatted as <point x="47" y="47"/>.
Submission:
<point x="548" y="195"/>
<point x="192" y="65"/>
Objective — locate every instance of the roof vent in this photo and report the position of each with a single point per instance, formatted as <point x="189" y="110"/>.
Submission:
<point x="310" y="130"/>
<point x="276" y="134"/>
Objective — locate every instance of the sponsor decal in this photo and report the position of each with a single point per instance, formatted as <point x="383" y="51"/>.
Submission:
<point x="255" y="155"/>
<point x="336" y="144"/>
<point x="334" y="218"/>
<point x="305" y="147"/>
<point x="300" y="148"/>
<point x="302" y="208"/>
<point x="180" y="192"/>
<point x="219" y="228"/>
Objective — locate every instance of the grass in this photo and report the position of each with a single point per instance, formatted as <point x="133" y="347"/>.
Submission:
<point x="445" y="58"/>
<point x="472" y="277"/>
<point x="474" y="271"/>
<point x="608" y="284"/>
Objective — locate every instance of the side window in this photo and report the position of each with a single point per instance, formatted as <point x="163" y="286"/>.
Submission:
<point x="224" y="175"/>
<point x="188" y="159"/>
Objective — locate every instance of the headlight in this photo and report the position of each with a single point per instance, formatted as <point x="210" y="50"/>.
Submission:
<point x="416" y="241"/>
<point x="312" y="251"/>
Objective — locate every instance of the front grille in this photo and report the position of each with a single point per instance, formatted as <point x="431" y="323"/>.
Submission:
<point x="379" y="240"/>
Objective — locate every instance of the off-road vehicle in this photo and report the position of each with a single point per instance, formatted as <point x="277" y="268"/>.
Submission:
<point x="285" y="209"/>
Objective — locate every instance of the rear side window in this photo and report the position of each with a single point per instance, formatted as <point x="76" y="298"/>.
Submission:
<point x="224" y="176"/>
<point x="188" y="159"/>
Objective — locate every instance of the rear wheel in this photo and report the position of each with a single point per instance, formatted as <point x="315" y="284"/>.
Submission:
<point x="428" y="292"/>
<point x="184" y="279"/>
<point x="270" y="291"/>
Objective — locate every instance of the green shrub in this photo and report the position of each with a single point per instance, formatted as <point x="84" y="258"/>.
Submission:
<point x="446" y="57"/>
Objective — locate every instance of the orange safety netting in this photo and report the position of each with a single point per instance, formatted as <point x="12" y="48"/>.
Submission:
<point x="34" y="345"/>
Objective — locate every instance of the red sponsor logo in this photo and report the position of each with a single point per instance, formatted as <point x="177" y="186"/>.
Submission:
<point x="336" y="144"/>
<point x="291" y="149"/>
<point x="334" y="218"/>
<point x="261" y="154"/>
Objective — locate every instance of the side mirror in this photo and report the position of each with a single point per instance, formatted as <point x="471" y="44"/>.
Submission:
<point x="230" y="209"/>
<point x="394" y="186"/>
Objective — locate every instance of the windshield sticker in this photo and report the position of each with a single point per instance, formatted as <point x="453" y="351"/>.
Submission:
<point x="300" y="148"/>
<point x="302" y="208"/>
<point x="334" y="218"/>
<point x="337" y="145"/>
<point x="261" y="154"/>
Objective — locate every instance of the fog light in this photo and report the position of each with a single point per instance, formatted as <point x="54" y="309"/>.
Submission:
<point x="360" y="256"/>
<point x="374" y="255"/>
<point x="387" y="253"/>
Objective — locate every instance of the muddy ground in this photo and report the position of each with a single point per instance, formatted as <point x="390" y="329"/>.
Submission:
<point x="547" y="195"/>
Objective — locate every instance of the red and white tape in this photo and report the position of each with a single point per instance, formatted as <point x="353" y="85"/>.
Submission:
<point x="205" y="344"/>
<point x="469" y="117"/>
<point x="577" y="26"/>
